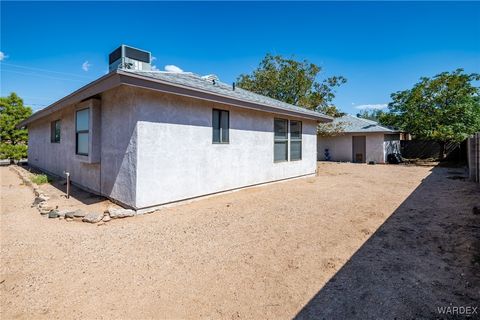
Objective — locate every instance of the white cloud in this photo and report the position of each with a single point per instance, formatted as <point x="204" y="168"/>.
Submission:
<point x="379" y="106"/>
<point x="3" y="56"/>
<point x="172" y="68"/>
<point x="153" y="59"/>
<point x="86" y="66"/>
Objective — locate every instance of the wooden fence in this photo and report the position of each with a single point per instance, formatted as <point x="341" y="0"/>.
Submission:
<point x="473" y="152"/>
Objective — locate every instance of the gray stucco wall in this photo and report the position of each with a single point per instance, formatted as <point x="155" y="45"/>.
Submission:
<point x="177" y="159"/>
<point x="340" y="147"/>
<point x="59" y="157"/>
<point x="114" y="174"/>
<point x="157" y="148"/>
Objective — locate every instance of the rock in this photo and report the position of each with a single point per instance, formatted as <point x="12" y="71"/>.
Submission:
<point x="121" y="213"/>
<point x="93" y="217"/>
<point x="62" y="213"/>
<point x="53" y="214"/>
<point x="45" y="209"/>
<point x="69" y="219"/>
<point x="69" y="214"/>
<point x="79" y="214"/>
<point x="106" y="218"/>
<point x="111" y="209"/>
<point x="39" y="199"/>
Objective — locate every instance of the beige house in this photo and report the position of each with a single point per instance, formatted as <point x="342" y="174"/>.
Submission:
<point x="361" y="141"/>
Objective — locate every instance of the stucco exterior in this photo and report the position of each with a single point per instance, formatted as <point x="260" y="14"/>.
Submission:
<point x="340" y="147"/>
<point x="113" y="135"/>
<point x="155" y="148"/>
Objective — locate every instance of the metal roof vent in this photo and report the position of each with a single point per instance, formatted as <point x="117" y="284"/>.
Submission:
<point x="211" y="78"/>
<point x="126" y="57"/>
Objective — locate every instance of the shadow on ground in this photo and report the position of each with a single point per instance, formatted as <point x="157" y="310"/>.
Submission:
<point x="57" y="183"/>
<point x="425" y="256"/>
<point x="83" y="196"/>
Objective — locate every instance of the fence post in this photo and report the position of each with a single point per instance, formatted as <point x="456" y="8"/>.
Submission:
<point x="474" y="157"/>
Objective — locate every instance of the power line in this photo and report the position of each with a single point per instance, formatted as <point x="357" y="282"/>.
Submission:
<point x="44" y="76"/>
<point x="44" y="70"/>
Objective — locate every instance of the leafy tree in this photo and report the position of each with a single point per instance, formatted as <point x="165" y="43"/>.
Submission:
<point x="331" y="129"/>
<point x="12" y="140"/>
<point x="445" y="108"/>
<point x="373" y="115"/>
<point x="293" y="82"/>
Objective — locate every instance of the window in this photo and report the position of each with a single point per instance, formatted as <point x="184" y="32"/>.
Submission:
<point x="220" y="125"/>
<point x="55" y="131"/>
<point x="295" y="140"/>
<point x="82" y="133"/>
<point x="280" y="152"/>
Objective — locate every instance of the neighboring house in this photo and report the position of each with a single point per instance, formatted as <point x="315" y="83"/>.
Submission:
<point x="361" y="141"/>
<point x="145" y="138"/>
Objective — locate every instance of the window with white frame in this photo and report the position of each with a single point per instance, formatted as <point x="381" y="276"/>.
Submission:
<point x="82" y="125"/>
<point x="55" y="131"/>
<point x="280" y="152"/>
<point x="220" y="126"/>
<point x="295" y="140"/>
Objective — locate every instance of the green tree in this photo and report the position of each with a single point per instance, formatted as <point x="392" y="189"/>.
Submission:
<point x="373" y="115"/>
<point x="445" y="108"/>
<point x="13" y="141"/>
<point x="293" y="82"/>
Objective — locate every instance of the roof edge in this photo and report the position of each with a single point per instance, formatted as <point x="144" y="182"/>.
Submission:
<point x="119" y="77"/>
<point x="102" y="84"/>
<point x="165" y="86"/>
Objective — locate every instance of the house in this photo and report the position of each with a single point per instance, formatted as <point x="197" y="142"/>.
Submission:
<point x="144" y="138"/>
<point x="361" y="140"/>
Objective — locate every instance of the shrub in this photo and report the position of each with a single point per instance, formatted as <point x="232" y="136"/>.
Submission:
<point x="40" y="178"/>
<point x="14" y="152"/>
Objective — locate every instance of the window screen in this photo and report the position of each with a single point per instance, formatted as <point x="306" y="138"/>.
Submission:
<point x="82" y="131"/>
<point x="280" y="152"/>
<point x="295" y="140"/>
<point x="220" y="126"/>
<point x="55" y="131"/>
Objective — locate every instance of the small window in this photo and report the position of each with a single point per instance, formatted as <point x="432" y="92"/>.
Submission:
<point x="82" y="131"/>
<point x="280" y="152"/>
<point x="295" y="140"/>
<point x="220" y="125"/>
<point x="55" y="131"/>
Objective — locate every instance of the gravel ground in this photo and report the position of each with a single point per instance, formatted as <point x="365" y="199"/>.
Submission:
<point x="296" y="248"/>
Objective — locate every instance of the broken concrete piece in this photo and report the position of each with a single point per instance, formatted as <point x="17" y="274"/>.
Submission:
<point x="93" y="217"/>
<point x="121" y="213"/>
<point x="79" y="214"/>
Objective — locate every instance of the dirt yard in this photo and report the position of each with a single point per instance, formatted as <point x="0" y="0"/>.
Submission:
<point x="356" y="241"/>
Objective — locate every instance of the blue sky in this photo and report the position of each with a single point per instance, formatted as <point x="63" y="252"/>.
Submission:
<point x="49" y="49"/>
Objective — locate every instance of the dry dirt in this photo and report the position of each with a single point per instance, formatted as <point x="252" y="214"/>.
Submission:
<point x="356" y="241"/>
